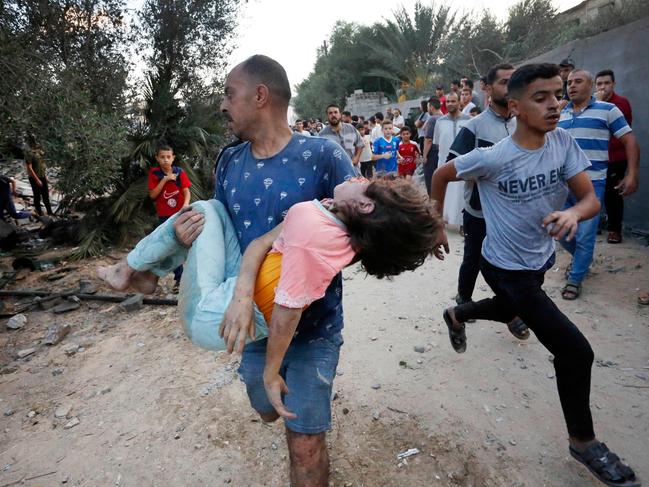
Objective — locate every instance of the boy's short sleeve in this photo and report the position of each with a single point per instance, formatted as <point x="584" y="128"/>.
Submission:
<point x="306" y="278"/>
<point x="376" y="149"/>
<point x="474" y="165"/>
<point x="153" y="180"/>
<point x="436" y="135"/>
<point x="184" y="180"/>
<point x="359" y="142"/>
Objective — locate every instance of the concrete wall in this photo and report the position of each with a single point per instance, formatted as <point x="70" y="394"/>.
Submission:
<point x="624" y="50"/>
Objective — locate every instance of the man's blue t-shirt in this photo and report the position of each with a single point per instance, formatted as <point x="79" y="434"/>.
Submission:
<point x="259" y="192"/>
<point x="381" y="146"/>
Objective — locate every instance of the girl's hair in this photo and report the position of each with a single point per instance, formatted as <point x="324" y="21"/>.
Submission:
<point x="399" y="233"/>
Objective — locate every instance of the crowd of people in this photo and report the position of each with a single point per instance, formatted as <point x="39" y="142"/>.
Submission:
<point x="293" y="206"/>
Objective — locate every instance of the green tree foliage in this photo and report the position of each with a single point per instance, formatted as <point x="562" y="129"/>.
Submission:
<point x="423" y="44"/>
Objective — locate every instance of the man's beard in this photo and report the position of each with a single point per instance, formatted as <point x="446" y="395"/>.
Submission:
<point x="334" y="122"/>
<point x="501" y="102"/>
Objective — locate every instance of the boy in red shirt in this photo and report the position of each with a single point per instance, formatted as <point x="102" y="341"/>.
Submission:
<point x="169" y="188"/>
<point x="408" y="152"/>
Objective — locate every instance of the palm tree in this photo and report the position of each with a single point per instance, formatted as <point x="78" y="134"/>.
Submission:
<point x="409" y="49"/>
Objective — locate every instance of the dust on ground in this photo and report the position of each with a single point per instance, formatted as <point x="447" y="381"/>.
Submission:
<point x="138" y="405"/>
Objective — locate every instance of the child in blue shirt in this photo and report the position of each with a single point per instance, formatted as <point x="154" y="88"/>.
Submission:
<point x="385" y="150"/>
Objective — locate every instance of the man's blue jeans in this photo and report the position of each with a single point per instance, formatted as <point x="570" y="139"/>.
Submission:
<point x="582" y="246"/>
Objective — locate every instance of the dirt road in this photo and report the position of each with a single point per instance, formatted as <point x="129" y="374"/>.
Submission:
<point x="154" y="410"/>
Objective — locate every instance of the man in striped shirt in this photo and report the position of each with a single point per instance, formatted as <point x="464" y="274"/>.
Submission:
<point x="591" y="123"/>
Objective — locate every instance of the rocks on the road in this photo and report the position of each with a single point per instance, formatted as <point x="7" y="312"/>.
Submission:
<point x="56" y="334"/>
<point x="133" y="303"/>
<point x="16" y="322"/>
<point x="72" y="423"/>
<point x="72" y="349"/>
<point x="9" y="412"/>
<point x="419" y="349"/>
<point x="66" y="306"/>
<point x="376" y="386"/>
<point x="87" y="287"/>
<point x="26" y="352"/>
<point x="63" y="411"/>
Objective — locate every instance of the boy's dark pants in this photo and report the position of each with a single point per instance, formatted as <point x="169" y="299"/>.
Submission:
<point x="519" y="293"/>
<point x="475" y="230"/>
<point x="613" y="202"/>
<point x="41" y="192"/>
<point x="178" y="271"/>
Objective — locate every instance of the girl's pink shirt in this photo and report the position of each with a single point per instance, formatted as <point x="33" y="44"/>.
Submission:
<point x="315" y="246"/>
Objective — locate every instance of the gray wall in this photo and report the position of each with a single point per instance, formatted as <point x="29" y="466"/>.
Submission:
<point x="625" y="50"/>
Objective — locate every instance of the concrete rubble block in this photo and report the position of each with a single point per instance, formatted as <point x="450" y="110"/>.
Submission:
<point x="56" y="333"/>
<point x="26" y="352"/>
<point x="133" y="303"/>
<point x="66" y="307"/>
<point x="16" y="322"/>
<point x="87" y="287"/>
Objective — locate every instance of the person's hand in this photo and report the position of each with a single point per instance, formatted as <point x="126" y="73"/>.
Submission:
<point x="39" y="183"/>
<point x="238" y="322"/>
<point x="275" y="387"/>
<point x="628" y="185"/>
<point x="560" y="224"/>
<point x="441" y="243"/>
<point x="187" y="226"/>
<point x="599" y="95"/>
<point x="387" y="155"/>
<point x="170" y="177"/>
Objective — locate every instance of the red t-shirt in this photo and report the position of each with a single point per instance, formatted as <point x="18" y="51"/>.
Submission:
<point x="171" y="198"/>
<point x="616" y="152"/>
<point x="409" y="153"/>
<point x="442" y="102"/>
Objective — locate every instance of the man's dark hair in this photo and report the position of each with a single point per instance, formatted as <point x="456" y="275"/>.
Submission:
<point x="456" y="82"/>
<point x="399" y="233"/>
<point x="440" y="87"/>
<point x="433" y="100"/>
<point x="527" y="74"/>
<point x="475" y="110"/>
<point x="606" y="72"/>
<point x="372" y="119"/>
<point x="423" y="106"/>
<point x="405" y="128"/>
<point x="332" y="105"/>
<point x="265" y="70"/>
<point x="347" y="113"/>
<point x="378" y="116"/>
<point x="162" y="147"/>
<point x="469" y="83"/>
<point x="354" y="118"/>
<point x="386" y="122"/>
<point x="492" y="74"/>
<point x="483" y="79"/>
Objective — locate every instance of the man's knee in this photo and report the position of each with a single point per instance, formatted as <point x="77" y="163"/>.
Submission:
<point x="305" y="449"/>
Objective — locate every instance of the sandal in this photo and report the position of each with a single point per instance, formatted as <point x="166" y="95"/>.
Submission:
<point x="643" y="298"/>
<point x="519" y="329"/>
<point x="614" y="238"/>
<point x="457" y="336"/>
<point x="606" y="466"/>
<point x="571" y="291"/>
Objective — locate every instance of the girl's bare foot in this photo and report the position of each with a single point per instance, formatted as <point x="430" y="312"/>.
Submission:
<point x="144" y="281"/>
<point x="117" y="276"/>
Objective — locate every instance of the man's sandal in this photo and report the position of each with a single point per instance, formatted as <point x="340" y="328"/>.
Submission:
<point x="606" y="466"/>
<point x="614" y="238"/>
<point x="571" y="291"/>
<point x="519" y="329"/>
<point x="457" y="336"/>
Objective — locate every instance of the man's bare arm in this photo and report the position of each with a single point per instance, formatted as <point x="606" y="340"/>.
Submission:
<point x="357" y="156"/>
<point x="629" y="184"/>
<point x="441" y="177"/>
<point x="281" y="330"/>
